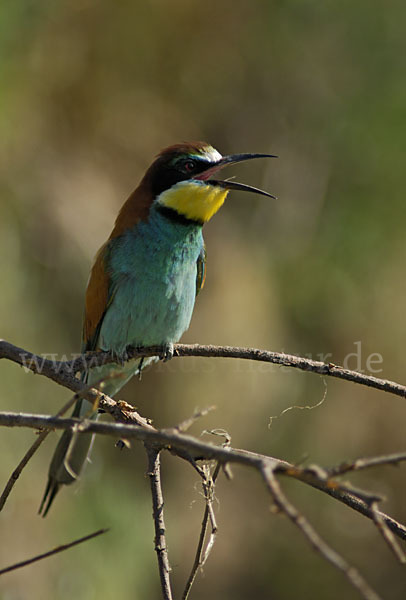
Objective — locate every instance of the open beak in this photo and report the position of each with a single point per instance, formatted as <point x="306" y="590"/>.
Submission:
<point x="233" y="185"/>
<point x="242" y="187"/>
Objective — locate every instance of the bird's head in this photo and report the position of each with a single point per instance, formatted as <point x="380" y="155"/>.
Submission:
<point x="181" y="179"/>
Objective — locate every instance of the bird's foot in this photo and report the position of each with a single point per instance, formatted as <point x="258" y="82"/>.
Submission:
<point x="168" y="351"/>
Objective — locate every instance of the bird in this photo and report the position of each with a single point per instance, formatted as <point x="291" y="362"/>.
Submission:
<point x="145" y="278"/>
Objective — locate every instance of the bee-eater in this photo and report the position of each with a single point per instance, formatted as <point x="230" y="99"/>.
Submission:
<point x="145" y="278"/>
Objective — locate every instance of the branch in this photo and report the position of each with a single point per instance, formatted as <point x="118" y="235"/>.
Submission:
<point x="23" y="463"/>
<point x="30" y="453"/>
<point x="366" y="463"/>
<point x="56" y="550"/>
<point x="154" y="473"/>
<point x="208" y="490"/>
<point x="62" y="371"/>
<point x="181" y="443"/>
<point x="283" y="504"/>
<point x="387" y="534"/>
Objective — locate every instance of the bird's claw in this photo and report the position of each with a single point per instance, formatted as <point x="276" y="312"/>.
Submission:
<point x="168" y="352"/>
<point x="119" y="358"/>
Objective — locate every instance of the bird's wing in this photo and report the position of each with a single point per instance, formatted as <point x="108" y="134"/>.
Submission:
<point x="99" y="295"/>
<point x="71" y="453"/>
<point x="201" y="270"/>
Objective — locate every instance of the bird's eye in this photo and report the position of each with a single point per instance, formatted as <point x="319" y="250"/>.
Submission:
<point x="189" y="165"/>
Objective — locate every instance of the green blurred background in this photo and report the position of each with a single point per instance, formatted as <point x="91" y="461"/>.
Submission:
<point x="90" y="90"/>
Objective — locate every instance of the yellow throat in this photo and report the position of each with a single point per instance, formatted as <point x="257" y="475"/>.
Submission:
<point x="195" y="200"/>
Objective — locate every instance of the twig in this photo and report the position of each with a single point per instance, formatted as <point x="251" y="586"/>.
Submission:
<point x="201" y="557"/>
<point x="42" y="436"/>
<point x="23" y="462"/>
<point x="154" y="473"/>
<point x="289" y="360"/>
<point x="366" y="463"/>
<point x="187" y="423"/>
<point x="30" y="453"/>
<point x="178" y="442"/>
<point x="387" y="534"/>
<point x="184" y="426"/>
<point x="62" y="372"/>
<point x="283" y="504"/>
<point x="321" y="479"/>
<point x="56" y="550"/>
<point x="318" y="474"/>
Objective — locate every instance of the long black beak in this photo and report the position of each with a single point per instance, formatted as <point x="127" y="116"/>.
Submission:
<point x="234" y="158"/>
<point x="242" y="187"/>
<point x="233" y="185"/>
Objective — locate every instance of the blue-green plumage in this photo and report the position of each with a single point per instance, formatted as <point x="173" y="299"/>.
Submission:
<point x="153" y="273"/>
<point x="145" y="278"/>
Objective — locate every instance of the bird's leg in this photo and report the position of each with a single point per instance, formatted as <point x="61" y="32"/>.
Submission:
<point x="168" y="351"/>
<point x="140" y="368"/>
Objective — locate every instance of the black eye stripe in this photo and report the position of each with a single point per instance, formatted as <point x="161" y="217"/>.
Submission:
<point x="166" y="173"/>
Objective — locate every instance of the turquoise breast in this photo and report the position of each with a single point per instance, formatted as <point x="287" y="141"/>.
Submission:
<point x="153" y="272"/>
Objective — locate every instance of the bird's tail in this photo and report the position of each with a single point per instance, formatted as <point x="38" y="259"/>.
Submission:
<point x="74" y="448"/>
<point x="69" y="457"/>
